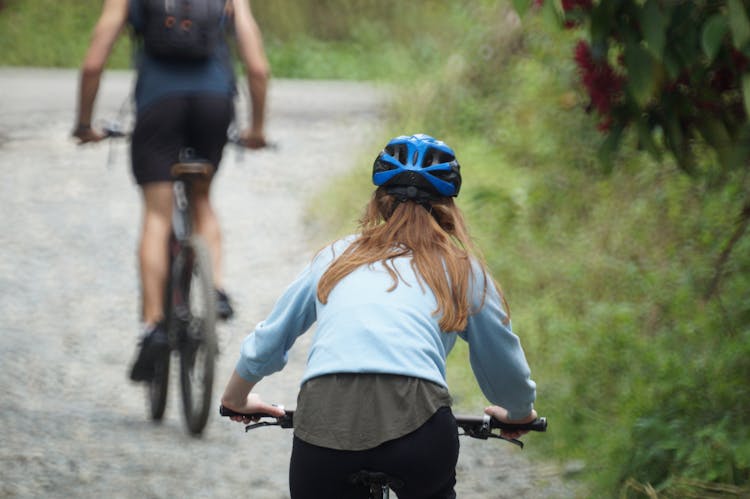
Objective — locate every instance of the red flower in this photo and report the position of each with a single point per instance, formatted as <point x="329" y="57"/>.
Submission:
<point x="569" y="5"/>
<point x="600" y="80"/>
<point x="740" y="61"/>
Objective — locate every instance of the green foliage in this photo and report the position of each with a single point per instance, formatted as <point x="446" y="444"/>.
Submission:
<point x="353" y="39"/>
<point x="332" y="39"/>
<point x="52" y="33"/>
<point x="676" y="71"/>
<point x="620" y="265"/>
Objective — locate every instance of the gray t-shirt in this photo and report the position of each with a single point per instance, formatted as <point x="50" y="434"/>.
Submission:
<point x="355" y="411"/>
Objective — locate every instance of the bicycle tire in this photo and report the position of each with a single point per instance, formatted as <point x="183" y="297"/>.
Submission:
<point x="158" y="387"/>
<point x="198" y="345"/>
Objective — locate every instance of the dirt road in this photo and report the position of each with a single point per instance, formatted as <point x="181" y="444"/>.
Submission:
<point x="71" y="424"/>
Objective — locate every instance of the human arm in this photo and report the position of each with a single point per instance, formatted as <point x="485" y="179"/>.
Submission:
<point x="111" y="21"/>
<point x="238" y="398"/>
<point x="265" y="350"/>
<point x="253" y="56"/>
<point x="497" y="359"/>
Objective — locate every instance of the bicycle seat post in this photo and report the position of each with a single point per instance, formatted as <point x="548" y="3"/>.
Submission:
<point x="378" y="483"/>
<point x="185" y="172"/>
<point x="180" y="215"/>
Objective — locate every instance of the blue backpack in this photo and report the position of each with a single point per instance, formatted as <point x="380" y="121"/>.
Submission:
<point x="186" y="30"/>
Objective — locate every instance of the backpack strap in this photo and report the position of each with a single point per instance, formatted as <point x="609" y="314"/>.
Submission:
<point x="227" y="13"/>
<point x="136" y="15"/>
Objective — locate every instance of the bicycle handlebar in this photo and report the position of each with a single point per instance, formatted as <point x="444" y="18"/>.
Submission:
<point x="112" y="131"/>
<point x="470" y="423"/>
<point x="473" y="426"/>
<point x="285" y="421"/>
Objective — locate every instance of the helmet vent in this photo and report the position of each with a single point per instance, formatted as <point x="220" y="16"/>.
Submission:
<point x="398" y="151"/>
<point x="436" y="156"/>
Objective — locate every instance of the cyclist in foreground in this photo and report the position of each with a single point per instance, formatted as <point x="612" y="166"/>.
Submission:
<point x="389" y="303"/>
<point x="182" y="100"/>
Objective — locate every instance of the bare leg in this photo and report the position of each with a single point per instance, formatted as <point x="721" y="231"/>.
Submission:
<point x="207" y="226"/>
<point x="153" y="252"/>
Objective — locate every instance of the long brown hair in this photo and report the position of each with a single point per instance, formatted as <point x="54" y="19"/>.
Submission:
<point x="436" y="238"/>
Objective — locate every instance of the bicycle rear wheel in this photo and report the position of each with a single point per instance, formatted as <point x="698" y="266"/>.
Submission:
<point x="157" y="388"/>
<point x="198" y="343"/>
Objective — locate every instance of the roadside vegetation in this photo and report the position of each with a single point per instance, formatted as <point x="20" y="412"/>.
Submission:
<point x="642" y="360"/>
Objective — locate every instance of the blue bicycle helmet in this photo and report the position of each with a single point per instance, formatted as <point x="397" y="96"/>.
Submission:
<point x="417" y="167"/>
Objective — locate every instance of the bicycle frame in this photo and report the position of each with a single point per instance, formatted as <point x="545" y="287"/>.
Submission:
<point x="181" y="219"/>
<point x="189" y="305"/>
<point x="182" y="230"/>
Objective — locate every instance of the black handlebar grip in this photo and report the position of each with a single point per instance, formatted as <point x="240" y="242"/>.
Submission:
<point x="229" y="412"/>
<point x="539" y="424"/>
<point x="474" y="422"/>
<point x="113" y="132"/>
<point x="224" y="411"/>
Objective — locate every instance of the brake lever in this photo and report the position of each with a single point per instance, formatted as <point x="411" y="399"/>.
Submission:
<point x="485" y="431"/>
<point x="261" y="423"/>
<point x="513" y="441"/>
<point x="285" y="421"/>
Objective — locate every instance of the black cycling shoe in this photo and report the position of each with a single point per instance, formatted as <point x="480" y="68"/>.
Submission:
<point x="153" y="344"/>
<point x="224" y="308"/>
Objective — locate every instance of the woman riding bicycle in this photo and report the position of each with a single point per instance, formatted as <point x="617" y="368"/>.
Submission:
<point x="390" y="303"/>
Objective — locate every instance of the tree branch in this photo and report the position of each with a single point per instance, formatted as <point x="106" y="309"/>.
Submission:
<point x="742" y="224"/>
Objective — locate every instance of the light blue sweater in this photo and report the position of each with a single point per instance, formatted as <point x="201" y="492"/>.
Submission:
<point x="364" y="328"/>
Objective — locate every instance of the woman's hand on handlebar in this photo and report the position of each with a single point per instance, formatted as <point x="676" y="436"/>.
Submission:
<point x="251" y="405"/>
<point x="501" y="414"/>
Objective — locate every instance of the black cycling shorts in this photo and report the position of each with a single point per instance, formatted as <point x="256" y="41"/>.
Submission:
<point x="424" y="461"/>
<point x="174" y="123"/>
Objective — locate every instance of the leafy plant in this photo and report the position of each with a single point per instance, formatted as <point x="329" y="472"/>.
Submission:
<point x="674" y="71"/>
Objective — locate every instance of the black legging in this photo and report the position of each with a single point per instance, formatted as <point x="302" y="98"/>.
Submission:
<point x="424" y="460"/>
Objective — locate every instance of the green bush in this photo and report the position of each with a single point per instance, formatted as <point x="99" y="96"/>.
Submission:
<point x="638" y="370"/>
<point x="52" y="33"/>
